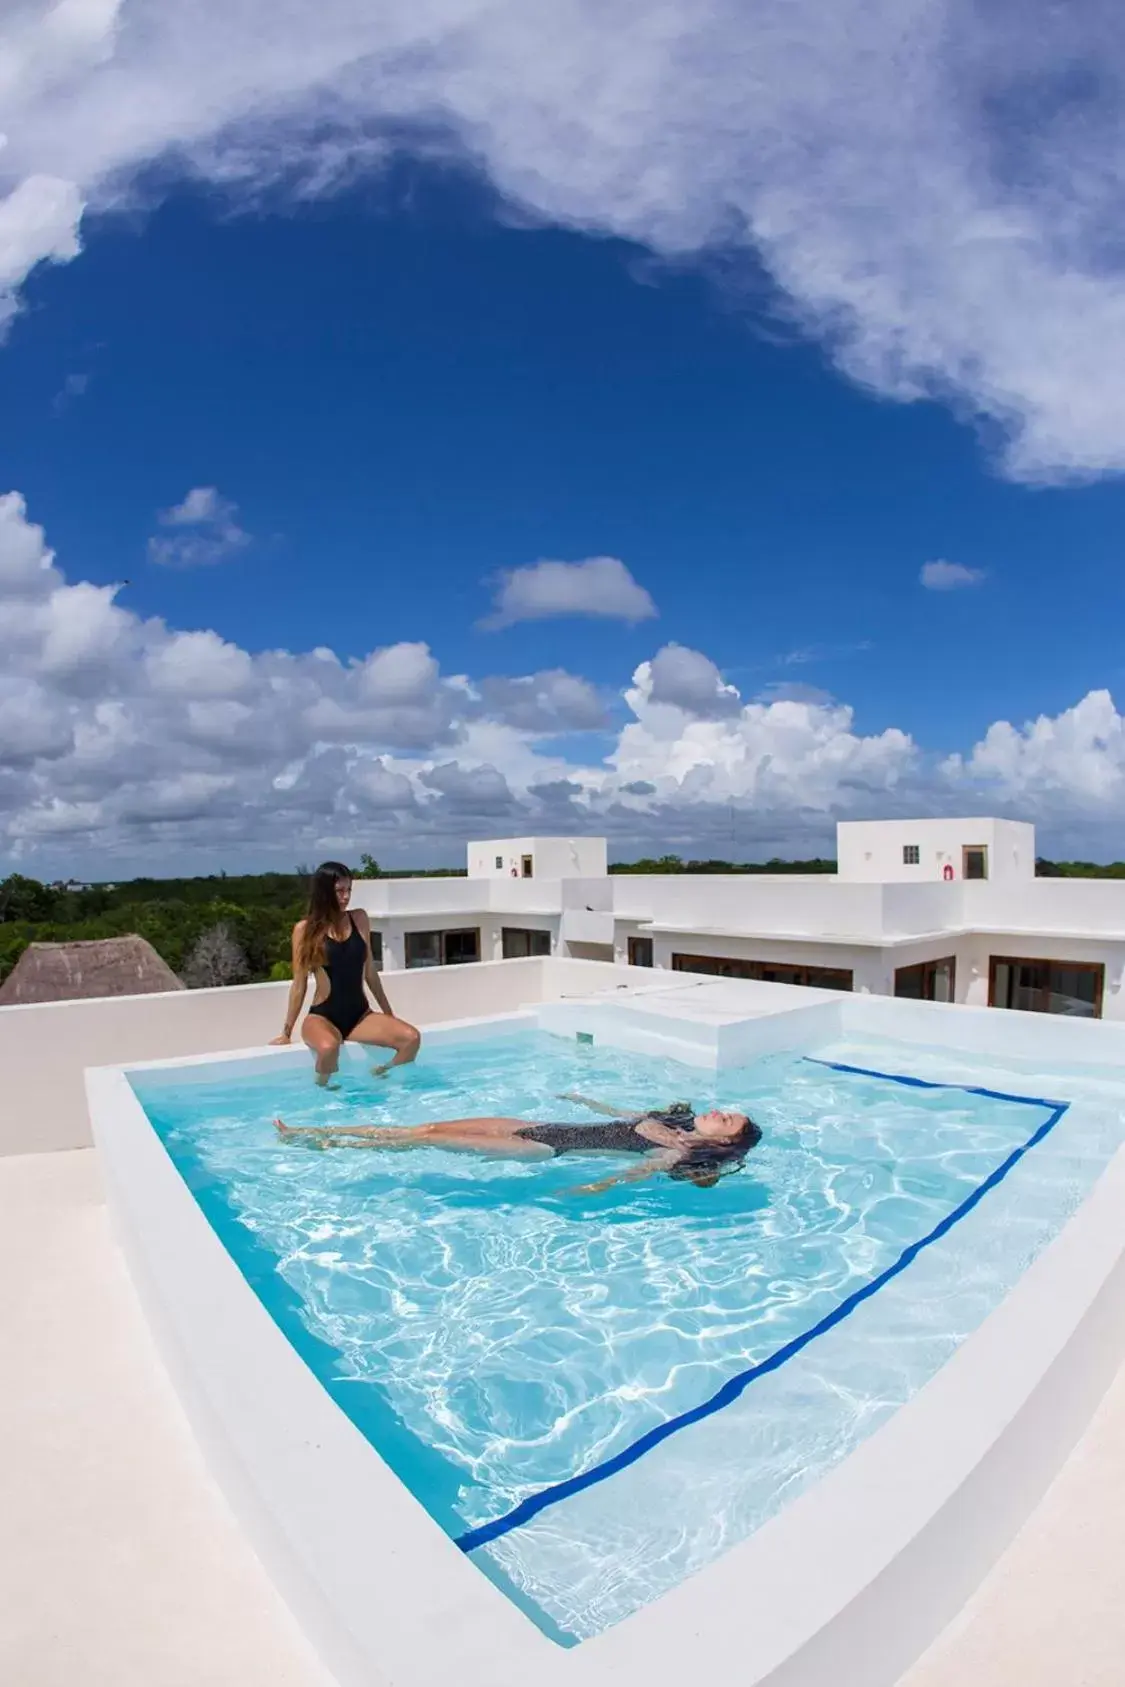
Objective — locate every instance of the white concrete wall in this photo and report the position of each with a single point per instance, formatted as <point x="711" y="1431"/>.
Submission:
<point x="509" y="852"/>
<point x="449" y="902"/>
<point x="552" y="858"/>
<point x="747" y="905"/>
<point x="1096" y="906"/>
<point x="871" y="851"/>
<point x="571" y="858"/>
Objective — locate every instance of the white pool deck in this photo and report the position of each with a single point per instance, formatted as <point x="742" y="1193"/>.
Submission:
<point x="121" y="1563"/>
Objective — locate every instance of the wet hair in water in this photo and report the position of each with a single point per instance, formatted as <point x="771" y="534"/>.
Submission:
<point x="711" y="1160"/>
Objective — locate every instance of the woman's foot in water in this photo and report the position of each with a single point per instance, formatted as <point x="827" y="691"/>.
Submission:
<point x="298" y="1133"/>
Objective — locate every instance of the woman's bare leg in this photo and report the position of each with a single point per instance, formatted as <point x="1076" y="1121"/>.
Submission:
<point x="481" y="1136"/>
<point x="324" y="1041"/>
<point x="383" y="1030"/>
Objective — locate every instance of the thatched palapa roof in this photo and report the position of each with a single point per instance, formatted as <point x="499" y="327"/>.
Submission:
<point x="107" y="966"/>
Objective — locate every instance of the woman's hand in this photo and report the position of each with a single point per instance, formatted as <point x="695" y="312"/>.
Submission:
<point x="285" y="1037"/>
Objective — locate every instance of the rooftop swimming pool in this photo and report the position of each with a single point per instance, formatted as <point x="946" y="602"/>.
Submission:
<point x="598" y="1395"/>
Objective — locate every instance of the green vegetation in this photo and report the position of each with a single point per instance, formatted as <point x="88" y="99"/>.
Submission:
<point x="673" y="864"/>
<point x="1079" y="869"/>
<point x="174" y="915"/>
<point x="255" y="912"/>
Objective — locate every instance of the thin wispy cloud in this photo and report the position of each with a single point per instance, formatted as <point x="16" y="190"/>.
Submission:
<point x="75" y="386"/>
<point x="203" y="530"/>
<point x="941" y="576"/>
<point x="806" y="654"/>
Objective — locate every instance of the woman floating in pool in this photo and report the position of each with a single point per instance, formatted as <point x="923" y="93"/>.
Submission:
<point x="335" y="946"/>
<point x="693" y="1147"/>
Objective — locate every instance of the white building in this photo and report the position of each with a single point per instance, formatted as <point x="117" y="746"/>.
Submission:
<point x="915" y="851"/>
<point x="539" y="858"/>
<point x="946" y="910"/>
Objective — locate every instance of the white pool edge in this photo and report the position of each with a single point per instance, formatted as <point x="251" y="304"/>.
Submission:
<point x="847" y="1585"/>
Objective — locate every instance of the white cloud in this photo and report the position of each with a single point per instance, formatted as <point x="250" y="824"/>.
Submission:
<point x="1075" y="757"/>
<point x="784" y="757"/>
<point x="687" y="680"/>
<point x="210" y="531"/>
<point x="39" y="220"/>
<point x="600" y="587"/>
<point x="942" y="576"/>
<point x="404" y="673"/>
<point x="932" y="185"/>
<point x="549" y="702"/>
<point x="199" y="665"/>
<point x="125" y="743"/>
<point x="27" y="567"/>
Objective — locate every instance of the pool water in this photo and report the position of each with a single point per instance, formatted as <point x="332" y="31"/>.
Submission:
<point x="496" y="1335"/>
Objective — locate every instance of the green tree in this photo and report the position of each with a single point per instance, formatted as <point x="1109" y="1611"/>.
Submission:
<point x="369" y="868"/>
<point x="26" y="899"/>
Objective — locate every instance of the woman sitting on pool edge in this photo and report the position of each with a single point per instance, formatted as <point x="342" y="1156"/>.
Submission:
<point x="335" y="946"/>
<point x="691" y="1147"/>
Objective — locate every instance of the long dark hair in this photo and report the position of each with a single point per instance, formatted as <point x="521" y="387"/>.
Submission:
<point x="323" y="911"/>
<point x="710" y="1160"/>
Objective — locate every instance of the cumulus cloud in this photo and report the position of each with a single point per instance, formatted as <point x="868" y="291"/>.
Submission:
<point x="1078" y="756"/>
<point x="601" y="587"/>
<point x="942" y="576"/>
<point x="125" y="743"/>
<point x="932" y="185"/>
<point x="687" y="680"/>
<point x="550" y="702"/>
<point x="204" y="530"/>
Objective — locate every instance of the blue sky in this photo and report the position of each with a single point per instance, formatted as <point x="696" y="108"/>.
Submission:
<point x="342" y="414"/>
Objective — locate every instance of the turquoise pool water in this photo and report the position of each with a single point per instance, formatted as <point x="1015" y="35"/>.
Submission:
<point x="495" y="1335"/>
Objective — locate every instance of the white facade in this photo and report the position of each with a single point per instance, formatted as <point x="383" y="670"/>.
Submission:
<point x="880" y="926"/>
<point x="919" y="851"/>
<point x="538" y="858"/>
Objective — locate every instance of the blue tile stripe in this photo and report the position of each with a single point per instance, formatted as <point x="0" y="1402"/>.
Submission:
<point x="737" y="1385"/>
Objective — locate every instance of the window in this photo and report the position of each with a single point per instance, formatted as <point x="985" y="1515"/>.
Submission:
<point x="377" y="949"/>
<point x="974" y="862"/>
<point x="499" y="863"/>
<point x="768" y="972"/>
<point x="1070" y="987"/>
<point x="528" y="866"/>
<point x="911" y="855"/>
<point x="459" y="947"/>
<point x="931" y="981"/>
<point x="517" y="943"/>
<point x="640" y="951"/>
<point x="441" y="948"/>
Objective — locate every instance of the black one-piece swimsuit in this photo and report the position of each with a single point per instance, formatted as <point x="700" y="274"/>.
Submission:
<point x="618" y="1136"/>
<point x="344" y="965"/>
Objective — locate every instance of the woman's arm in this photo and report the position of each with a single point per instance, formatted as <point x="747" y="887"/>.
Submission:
<point x="370" y="970"/>
<point x="297" y="989"/>
<point x="649" y="1166"/>
<point x="599" y="1106"/>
